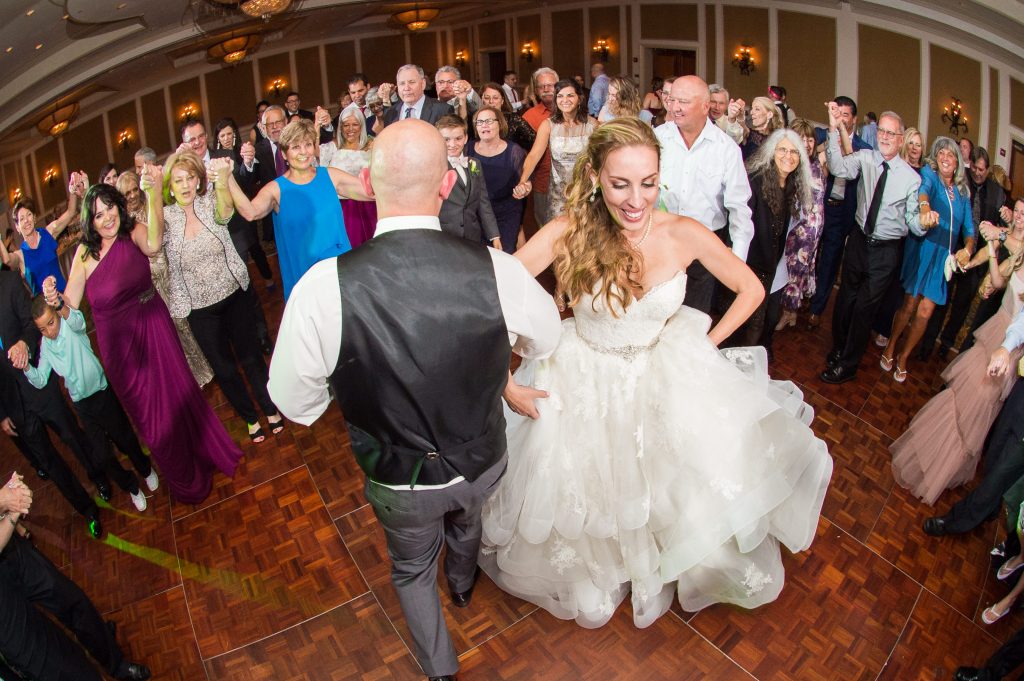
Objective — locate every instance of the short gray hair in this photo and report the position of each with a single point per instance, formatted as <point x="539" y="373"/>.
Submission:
<point x="448" y="69"/>
<point x="895" y="116"/>
<point x="544" y="70"/>
<point x="715" y="88"/>
<point x="273" y="107"/>
<point x="419" y="70"/>
<point x="146" y="154"/>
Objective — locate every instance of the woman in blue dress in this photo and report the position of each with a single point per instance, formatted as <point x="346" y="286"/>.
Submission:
<point x="37" y="258"/>
<point x="925" y="268"/>
<point x="307" y="215"/>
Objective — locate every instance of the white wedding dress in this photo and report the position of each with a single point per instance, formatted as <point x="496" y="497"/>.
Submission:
<point x="659" y="466"/>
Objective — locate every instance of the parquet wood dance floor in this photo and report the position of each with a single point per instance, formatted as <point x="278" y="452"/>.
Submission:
<point x="282" y="574"/>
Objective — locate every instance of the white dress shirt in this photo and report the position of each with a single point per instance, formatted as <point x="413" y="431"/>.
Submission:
<point x="309" y="340"/>
<point x="513" y="96"/>
<point x="1014" y="337"/>
<point x="707" y="182"/>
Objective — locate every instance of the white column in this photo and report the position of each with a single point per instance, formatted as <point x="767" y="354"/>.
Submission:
<point x="847" y="53"/>
<point x="926" y="90"/>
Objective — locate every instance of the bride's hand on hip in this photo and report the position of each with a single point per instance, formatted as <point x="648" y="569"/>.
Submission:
<point x="520" y="398"/>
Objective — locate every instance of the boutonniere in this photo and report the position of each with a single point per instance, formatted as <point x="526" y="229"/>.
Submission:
<point x="474" y="167"/>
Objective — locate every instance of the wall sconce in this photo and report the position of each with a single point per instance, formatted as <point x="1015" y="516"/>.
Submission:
<point x="124" y="138"/>
<point x="50" y="177"/>
<point x="527" y="51"/>
<point x="744" y="61"/>
<point x="601" y="49"/>
<point x="16" y="195"/>
<point x="954" y="115"/>
<point x="460" y="58"/>
<point x="189" y="113"/>
<point x="276" y="87"/>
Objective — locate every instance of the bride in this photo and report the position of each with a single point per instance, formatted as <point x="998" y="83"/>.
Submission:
<point x="642" y="460"/>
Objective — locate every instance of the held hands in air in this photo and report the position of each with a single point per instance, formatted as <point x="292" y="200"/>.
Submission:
<point x="385" y="91"/>
<point x="50" y="291"/>
<point x="152" y="176"/>
<point x="78" y="183"/>
<point x="248" y="153"/>
<point x="736" y="109"/>
<point x="834" y="115"/>
<point x="220" y="170"/>
<point x="322" y="117"/>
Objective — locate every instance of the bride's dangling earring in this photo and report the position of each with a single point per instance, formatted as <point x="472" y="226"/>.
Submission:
<point x="594" y="191"/>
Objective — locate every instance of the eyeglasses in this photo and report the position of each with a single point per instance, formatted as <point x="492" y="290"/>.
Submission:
<point x="782" y="151"/>
<point x="445" y="82"/>
<point x="275" y="124"/>
<point x="486" y="121"/>
<point x="887" y="134"/>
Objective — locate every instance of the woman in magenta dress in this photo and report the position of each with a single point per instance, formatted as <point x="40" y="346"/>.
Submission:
<point x="139" y="344"/>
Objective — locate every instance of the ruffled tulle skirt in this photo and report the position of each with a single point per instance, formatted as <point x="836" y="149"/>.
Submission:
<point x="943" y="444"/>
<point x="676" y="470"/>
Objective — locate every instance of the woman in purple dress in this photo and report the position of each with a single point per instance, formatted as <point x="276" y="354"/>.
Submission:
<point x="139" y="345"/>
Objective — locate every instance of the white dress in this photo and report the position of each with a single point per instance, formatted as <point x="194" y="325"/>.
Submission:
<point x="658" y="466"/>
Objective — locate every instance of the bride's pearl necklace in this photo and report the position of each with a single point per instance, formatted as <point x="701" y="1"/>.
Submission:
<point x="647" y="232"/>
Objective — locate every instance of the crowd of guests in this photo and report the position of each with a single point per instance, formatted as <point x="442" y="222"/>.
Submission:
<point x="929" y="245"/>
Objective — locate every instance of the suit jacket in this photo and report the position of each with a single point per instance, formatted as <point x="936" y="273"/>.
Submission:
<point x="431" y="113"/>
<point x="265" y="170"/>
<point x="16" y="324"/>
<point x="765" y="250"/>
<point x="467" y="211"/>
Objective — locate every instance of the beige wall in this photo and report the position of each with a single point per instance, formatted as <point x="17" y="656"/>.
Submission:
<point x="528" y="30"/>
<point x="154" y="117"/>
<point x="900" y="91"/>
<point x="746" y="26"/>
<point x="806" y="68"/>
<point x="604" y="23"/>
<point x="120" y="118"/>
<point x="309" y="83"/>
<point x="711" y="46"/>
<point x="182" y="95"/>
<point x="568" y="56"/>
<point x="953" y="75"/>
<point x="1017" y="103"/>
<point x="84" y="149"/>
<point x="341" y="63"/>
<point x="231" y="93"/>
<point x="461" y="41"/>
<point x="668" y="22"/>
<point x="491" y="34"/>
<point x="48" y="156"/>
<point x="993" y="109"/>
<point x="423" y="50"/>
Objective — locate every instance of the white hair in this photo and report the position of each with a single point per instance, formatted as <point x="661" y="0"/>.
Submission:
<point x="353" y="111"/>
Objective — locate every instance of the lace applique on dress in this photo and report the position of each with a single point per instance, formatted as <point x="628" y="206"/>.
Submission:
<point x="755" y="580"/>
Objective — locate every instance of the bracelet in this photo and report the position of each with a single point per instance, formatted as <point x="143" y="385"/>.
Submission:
<point x="60" y="299"/>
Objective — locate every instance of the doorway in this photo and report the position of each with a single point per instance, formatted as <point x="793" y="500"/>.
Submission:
<point x="665" y="62"/>
<point x="495" y="63"/>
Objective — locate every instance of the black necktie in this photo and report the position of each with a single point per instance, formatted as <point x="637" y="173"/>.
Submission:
<point x="876" y="201"/>
<point x="408" y="111"/>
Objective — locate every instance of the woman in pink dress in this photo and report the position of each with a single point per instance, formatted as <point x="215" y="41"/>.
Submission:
<point x="942" y="446"/>
<point x="139" y="345"/>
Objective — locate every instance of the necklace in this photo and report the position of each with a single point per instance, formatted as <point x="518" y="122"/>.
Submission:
<point x="647" y="232"/>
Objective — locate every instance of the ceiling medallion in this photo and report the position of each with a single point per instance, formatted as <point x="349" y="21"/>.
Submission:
<point x="234" y="49"/>
<point x="416" y="19"/>
<point x="58" y="120"/>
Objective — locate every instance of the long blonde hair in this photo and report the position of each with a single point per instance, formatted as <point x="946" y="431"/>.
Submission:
<point x="593" y="250"/>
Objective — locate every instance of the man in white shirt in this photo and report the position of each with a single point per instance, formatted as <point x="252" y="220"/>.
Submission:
<point x="511" y="81"/>
<point x="727" y="114"/>
<point x="703" y="178"/>
<point x="410" y="329"/>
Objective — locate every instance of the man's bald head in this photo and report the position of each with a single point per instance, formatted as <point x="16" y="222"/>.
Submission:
<point x="689" y="104"/>
<point x="409" y="171"/>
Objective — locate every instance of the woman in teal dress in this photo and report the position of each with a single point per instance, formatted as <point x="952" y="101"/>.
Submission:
<point x="924" y="274"/>
<point x="307" y="216"/>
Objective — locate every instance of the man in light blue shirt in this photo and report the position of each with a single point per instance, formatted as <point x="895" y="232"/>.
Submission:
<point x="67" y="351"/>
<point x="598" y="89"/>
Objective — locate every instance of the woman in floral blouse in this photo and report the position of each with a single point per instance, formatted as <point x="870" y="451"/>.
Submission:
<point x="802" y="241"/>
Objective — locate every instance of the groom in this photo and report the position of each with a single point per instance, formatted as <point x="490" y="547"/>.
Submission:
<point x="412" y="331"/>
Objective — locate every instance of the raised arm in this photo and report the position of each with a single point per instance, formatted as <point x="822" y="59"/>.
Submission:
<point x="221" y="169"/>
<point x="260" y="206"/>
<point x="76" y="189"/>
<point x="150" y="237"/>
<point x="14" y="260"/>
<point x="348" y="186"/>
<point x="75" y="288"/>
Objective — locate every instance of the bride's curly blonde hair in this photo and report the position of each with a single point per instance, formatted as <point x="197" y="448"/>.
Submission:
<point x="593" y="250"/>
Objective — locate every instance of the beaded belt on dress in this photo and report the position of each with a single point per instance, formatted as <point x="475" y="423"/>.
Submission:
<point x="147" y="295"/>
<point x="626" y="352"/>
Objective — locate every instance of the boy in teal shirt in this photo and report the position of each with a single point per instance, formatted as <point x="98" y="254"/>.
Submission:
<point x="67" y="351"/>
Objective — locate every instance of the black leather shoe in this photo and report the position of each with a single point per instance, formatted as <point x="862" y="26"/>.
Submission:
<point x="832" y="358"/>
<point x="935" y="526"/>
<point x="967" y="674"/>
<point x="837" y="374"/>
<point x="103" y="488"/>
<point x="43" y="475"/>
<point x="133" y="671"/>
<point x="462" y="598"/>
<point x="448" y="677"/>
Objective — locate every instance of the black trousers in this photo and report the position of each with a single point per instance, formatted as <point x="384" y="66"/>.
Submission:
<point x="51" y="410"/>
<point x="31" y="642"/>
<point x="226" y="333"/>
<point x="104" y="421"/>
<point x="954" y="312"/>
<point x="1004" y="465"/>
<point x="701" y="284"/>
<point x="834" y="232"/>
<point x="868" y="270"/>
<point x="1005" y="660"/>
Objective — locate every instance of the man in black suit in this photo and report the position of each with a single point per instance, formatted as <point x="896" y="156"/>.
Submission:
<point x="291" y="106"/>
<point x="410" y="82"/>
<point x="23" y="409"/>
<point x="467" y="210"/>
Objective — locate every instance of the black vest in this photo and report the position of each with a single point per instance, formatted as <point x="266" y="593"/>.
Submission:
<point x="424" y="358"/>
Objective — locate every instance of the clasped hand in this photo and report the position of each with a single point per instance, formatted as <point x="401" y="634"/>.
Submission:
<point x="152" y="176"/>
<point x="999" y="363"/>
<point x="15" y="497"/>
<point x="220" y="170"/>
<point x="929" y="219"/>
<point x="521" y="190"/>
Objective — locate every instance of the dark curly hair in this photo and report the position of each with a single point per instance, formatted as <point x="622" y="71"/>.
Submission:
<point x="111" y="198"/>
<point x="581" y="104"/>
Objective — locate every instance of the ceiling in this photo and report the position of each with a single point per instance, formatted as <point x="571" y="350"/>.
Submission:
<point x="94" y="50"/>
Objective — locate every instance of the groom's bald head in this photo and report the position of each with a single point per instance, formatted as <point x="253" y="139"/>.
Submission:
<point x="409" y="169"/>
